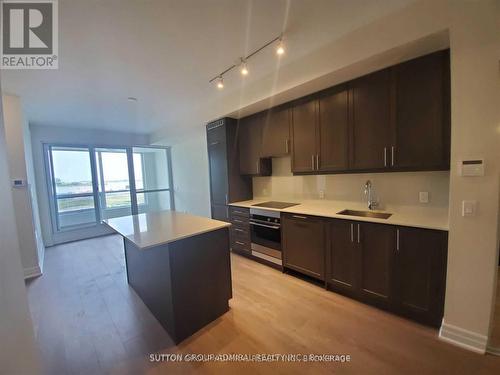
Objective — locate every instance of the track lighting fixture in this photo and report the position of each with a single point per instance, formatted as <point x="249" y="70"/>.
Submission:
<point x="243" y="66"/>
<point x="280" y="49"/>
<point x="220" y="83"/>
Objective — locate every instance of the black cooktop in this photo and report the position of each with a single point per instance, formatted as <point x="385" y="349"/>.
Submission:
<point x="273" y="204"/>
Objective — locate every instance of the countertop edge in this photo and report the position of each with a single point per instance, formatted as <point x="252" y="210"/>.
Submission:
<point x="131" y="239"/>
<point x="295" y="210"/>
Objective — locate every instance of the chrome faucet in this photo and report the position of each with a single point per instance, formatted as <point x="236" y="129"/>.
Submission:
<point x="372" y="203"/>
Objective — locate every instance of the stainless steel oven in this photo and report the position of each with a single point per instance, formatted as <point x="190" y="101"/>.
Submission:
<point x="265" y="233"/>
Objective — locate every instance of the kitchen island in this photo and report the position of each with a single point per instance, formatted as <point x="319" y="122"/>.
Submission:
<point x="179" y="266"/>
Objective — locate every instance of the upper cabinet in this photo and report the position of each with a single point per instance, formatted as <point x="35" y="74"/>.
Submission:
<point x="333" y="125"/>
<point x="250" y="145"/>
<point x="305" y="136"/>
<point x="395" y="119"/>
<point x="276" y="132"/>
<point x="371" y="121"/>
<point x="423" y="113"/>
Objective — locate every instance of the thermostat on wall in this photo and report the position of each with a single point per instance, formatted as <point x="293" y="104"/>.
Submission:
<point x="18" y="183"/>
<point x="468" y="168"/>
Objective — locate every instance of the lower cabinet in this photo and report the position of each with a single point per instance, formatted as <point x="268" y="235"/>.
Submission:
<point x="420" y="273"/>
<point x="401" y="269"/>
<point x="303" y="243"/>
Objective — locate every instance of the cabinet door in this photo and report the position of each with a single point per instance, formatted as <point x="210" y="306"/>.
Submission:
<point x="334" y="130"/>
<point x="422" y="114"/>
<point x="304" y="136"/>
<point x="304" y="245"/>
<point x="220" y="212"/>
<point x="371" y="121"/>
<point x="420" y="273"/>
<point x="250" y="142"/>
<point x="343" y="257"/>
<point x="217" y="156"/>
<point x="276" y="133"/>
<point x="376" y="243"/>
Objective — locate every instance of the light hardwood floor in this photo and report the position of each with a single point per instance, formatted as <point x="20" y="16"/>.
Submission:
<point x="88" y="321"/>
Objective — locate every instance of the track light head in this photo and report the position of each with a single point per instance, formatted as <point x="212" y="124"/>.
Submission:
<point x="280" y="49"/>
<point x="220" y="83"/>
<point x="244" y="68"/>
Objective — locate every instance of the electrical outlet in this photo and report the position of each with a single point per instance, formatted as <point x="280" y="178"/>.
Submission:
<point x="321" y="194"/>
<point x="423" y="197"/>
<point x="264" y="191"/>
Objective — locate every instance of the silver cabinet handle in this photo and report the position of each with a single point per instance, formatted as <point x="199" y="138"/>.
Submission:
<point x="258" y="166"/>
<point x="385" y="156"/>
<point x="237" y="221"/>
<point x="240" y="243"/>
<point x="239" y="212"/>
<point x="299" y="217"/>
<point x="359" y="241"/>
<point x="397" y="240"/>
<point x="317" y="162"/>
<point x="227" y="200"/>
<point x="214" y="143"/>
<point x="392" y="156"/>
<point x="312" y="162"/>
<point x="286" y="146"/>
<point x="352" y="232"/>
<point x="239" y="230"/>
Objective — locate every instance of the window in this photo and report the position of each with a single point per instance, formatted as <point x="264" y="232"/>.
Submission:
<point x="152" y="179"/>
<point x="88" y="184"/>
<point x="73" y="192"/>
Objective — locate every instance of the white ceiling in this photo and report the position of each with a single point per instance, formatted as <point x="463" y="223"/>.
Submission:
<point x="164" y="52"/>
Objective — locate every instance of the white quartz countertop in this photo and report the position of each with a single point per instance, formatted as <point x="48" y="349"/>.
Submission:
<point x="158" y="228"/>
<point x="410" y="216"/>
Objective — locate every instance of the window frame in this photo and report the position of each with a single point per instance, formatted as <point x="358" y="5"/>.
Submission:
<point x="52" y="192"/>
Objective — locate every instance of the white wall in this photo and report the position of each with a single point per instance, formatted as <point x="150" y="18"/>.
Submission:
<point x="18" y="352"/>
<point x="25" y="200"/>
<point x="61" y="135"/>
<point x="190" y="174"/>
<point x="473" y="32"/>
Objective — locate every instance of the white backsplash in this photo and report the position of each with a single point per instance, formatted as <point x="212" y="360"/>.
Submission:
<point x="396" y="188"/>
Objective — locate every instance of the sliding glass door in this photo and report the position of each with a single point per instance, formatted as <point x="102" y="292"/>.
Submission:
<point x="73" y="191"/>
<point x="88" y="184"/>
<point x="113" y="182"/>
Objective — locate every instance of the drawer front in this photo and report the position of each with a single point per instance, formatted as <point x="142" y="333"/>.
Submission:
<point x="240" y="243"/>
<point x="240" y="234"/>
<point x="239" y="211"/>
<point x="239" y="221"/>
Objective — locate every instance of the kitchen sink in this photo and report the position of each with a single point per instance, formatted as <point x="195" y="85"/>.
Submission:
<point x="376" y="215"/>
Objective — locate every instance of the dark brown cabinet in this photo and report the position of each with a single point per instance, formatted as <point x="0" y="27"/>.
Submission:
<point x="305" y="136"/>
<point x="401" y="269"/>
<point x="422" y="113"/>
<point x="343" y="257"/>
<point x="376" y="244"/>
<point x="250" y="145"/>
<point x="372" y="126"/>
<point x="304" y="244"/>
<point x="276" y="132"/>
<point x="240" y="230"/>
<point x="333" y="122"/>
<point x="226" y="183"/>
<point x="420" y="273"/>
<point x="395" y="119"/>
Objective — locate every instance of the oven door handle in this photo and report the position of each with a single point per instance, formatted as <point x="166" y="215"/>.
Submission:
<point x="264" y="225"/>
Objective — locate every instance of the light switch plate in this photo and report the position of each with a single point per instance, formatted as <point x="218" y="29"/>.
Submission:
<point x="423" y="197"/>
<point x="468" y="208"/>
<point x="321" y="194"/>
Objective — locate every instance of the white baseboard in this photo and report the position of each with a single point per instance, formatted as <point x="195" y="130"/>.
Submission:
<point x="493" y="350"/>
<point x="461" y="337"/>
<point x="32" y="272"/>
